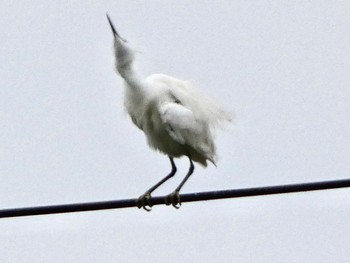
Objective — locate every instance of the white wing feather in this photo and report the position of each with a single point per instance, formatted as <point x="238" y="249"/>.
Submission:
<point x="184" y="128"/>
<point x="203" y="107"/>
<point x="180" y="122"/>
<point x="170" y="105"/>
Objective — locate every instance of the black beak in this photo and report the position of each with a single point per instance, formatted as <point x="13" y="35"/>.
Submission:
<point x="112" y="27"/>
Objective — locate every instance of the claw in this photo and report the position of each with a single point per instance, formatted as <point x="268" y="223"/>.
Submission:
<point x="144" y="201"/>
<point x="173" y="199"/>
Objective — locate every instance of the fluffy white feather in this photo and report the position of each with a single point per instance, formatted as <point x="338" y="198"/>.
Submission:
<point x="176" y="119"/>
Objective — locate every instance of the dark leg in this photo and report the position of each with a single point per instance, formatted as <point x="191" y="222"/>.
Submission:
<point x="174" y="198"/>
<point x="144" y="200"/>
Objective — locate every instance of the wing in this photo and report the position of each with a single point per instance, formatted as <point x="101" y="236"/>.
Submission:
<point x="203" y="107"/>
<point x="185" y="128"/>
<point x="189" y="117"/>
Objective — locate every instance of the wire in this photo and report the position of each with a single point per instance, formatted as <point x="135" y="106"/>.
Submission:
<point x="193" y="197"/>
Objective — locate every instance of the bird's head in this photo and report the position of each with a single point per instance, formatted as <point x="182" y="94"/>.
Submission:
<point x="123" y="52"/>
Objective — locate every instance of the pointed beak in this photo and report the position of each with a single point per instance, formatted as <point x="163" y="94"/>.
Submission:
<point x="115" y="33"/>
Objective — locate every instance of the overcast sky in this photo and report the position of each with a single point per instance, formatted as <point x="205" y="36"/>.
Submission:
<point x="282" y="68"/>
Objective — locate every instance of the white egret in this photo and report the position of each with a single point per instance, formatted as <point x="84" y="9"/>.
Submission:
<point x="176" y="119"/>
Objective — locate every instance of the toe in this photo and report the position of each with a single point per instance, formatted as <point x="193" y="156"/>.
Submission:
<point x="173" y="199"/>
<point x="176" y="200"/>
<point x="169" y="199"/>
<point x="144" y="201"/>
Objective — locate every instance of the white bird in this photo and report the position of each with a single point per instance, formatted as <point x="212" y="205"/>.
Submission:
<point x="176" y="119"/>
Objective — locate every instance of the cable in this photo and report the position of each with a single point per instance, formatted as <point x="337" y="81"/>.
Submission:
<point x="193" y="197"/>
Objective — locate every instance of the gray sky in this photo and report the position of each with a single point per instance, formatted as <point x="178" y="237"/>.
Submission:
<point x="282" y="68"/>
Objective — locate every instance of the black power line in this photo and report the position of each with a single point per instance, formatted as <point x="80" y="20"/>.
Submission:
<point x="159" y="200"/>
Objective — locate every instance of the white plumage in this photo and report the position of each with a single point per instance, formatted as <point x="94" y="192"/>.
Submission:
<point x="176" y="119"/>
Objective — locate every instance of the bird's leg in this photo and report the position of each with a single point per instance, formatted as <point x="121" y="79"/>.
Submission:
<point x="174" y="198"/>
<point x="144" y="200"/>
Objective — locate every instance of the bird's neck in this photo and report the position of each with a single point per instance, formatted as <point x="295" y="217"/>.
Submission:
<point x="130" y="76"/>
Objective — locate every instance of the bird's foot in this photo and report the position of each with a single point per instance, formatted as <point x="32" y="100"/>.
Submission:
<point x="173" y="199"/>
<point x="144" y="201"/>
